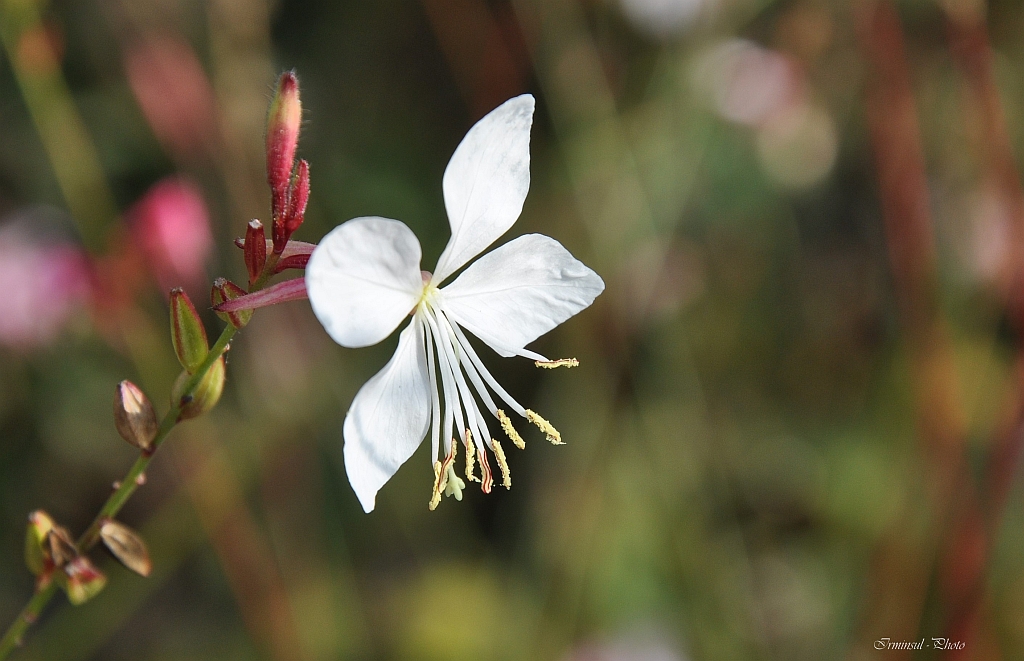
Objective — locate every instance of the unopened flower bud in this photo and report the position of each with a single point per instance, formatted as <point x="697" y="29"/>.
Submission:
<point x="127" y="546"/>
<point x="225" y="290"/>
<point x="255" y="249"/>
<point x="134" y="416"/>
<point x="206" y="394"/>
<point x="187" y="332"/>
<point x="297" y="199"/>
<point x="81" y="580"/>
<point x="282" y="139"/>
<point x="37" y="544"/>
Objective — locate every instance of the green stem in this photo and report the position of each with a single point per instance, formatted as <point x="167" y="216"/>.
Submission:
<point x="28" y="615"/>
<point x="131" y="481"/>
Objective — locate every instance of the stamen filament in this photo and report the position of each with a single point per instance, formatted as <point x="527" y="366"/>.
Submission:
<point x="495" y="386"/>
<point x="435" y="402"/>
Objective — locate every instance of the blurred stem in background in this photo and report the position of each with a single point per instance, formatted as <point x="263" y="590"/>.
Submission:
<point x="906" y="556"/>
<point x="974" y="535"/>
<point x="30" y="50"/>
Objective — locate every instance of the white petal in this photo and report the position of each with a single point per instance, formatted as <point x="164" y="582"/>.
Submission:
<point x="388" y="418"/>
<point x="516" y="293"/>
<point x="363" y="279"/>
<point x="486" y="182"/>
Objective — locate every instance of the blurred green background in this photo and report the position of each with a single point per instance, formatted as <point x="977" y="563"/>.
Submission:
<point x="794" y="429"/>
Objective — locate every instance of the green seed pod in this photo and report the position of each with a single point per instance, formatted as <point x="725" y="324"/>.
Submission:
<point x="205" y="395"/>
<point x="187" y="332"/>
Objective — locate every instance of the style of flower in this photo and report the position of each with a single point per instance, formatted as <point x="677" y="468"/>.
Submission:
<point x="364" y="278"/>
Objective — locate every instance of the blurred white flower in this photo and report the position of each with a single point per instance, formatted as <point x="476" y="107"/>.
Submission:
<point x="746" y="83"/>
<point x="364" y="278"/>
<point x="662" y="18"/>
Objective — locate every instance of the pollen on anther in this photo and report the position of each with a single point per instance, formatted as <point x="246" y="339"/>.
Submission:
<point x="561" y="362"/>
<point x="510" y="431"/>
<point x="435" y="496"/>
<point x="469" y="458"/>
<point x="499" y="454"/>
<point x="550" y="432"/>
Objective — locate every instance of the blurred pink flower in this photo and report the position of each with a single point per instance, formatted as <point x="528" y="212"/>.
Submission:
<point x="44" y="284"/>
<point x="171" y="226"/>
<point x="174" y="93"/>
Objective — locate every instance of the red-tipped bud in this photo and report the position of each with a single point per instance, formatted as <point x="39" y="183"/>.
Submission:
<point x="187" y="332"/>
<point x="282" y="139"/>
<point x="255" y="247"/>
<point x="134" y="416"/>
<point x="81" y="580"/>
<point x="225" y="290"/>
<point x="289" y="290"/>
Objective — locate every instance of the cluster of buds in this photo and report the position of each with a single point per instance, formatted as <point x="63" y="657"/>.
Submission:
<point x="52" y="555"/>
<point x="289" y="191"/>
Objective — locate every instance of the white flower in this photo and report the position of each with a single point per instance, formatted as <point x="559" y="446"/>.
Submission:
<point x="364" y="278"/>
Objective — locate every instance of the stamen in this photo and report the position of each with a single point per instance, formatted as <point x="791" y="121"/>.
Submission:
<point x="485" y="468"/>
<point x="435" y="496"/>
<point x="442" y="471"/>
<point x="499" y="454"/>
<point x="552" y="434"/>
<point x="510" y="431"/>
<point x="469" y="458"/>
<point x="561" y="362"/>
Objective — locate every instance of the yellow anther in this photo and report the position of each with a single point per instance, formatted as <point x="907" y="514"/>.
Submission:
<point x="485" y="468"/>
<point x="499" y="454"/>
<point x="561" y="362"/>
<point x="510" y="431"/>
<point x="469" y="458"/>
<point x="545" y="426"/>
<point x="435" y="497"/>
<point x="442" y="471"/>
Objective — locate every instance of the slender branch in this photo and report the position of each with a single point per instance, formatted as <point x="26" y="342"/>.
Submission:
<point x="46" y="590"/>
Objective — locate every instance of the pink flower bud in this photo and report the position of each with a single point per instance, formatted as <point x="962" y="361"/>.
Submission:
<point x="282" y="139"/>
<point x="172" y="227"/>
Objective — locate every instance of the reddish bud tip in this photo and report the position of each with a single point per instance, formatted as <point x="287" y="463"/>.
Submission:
<point x="255" y="248"/>
<point x="82" y="580"/>
<point x="282" y="139"/>
<point x="225" y="290"/>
